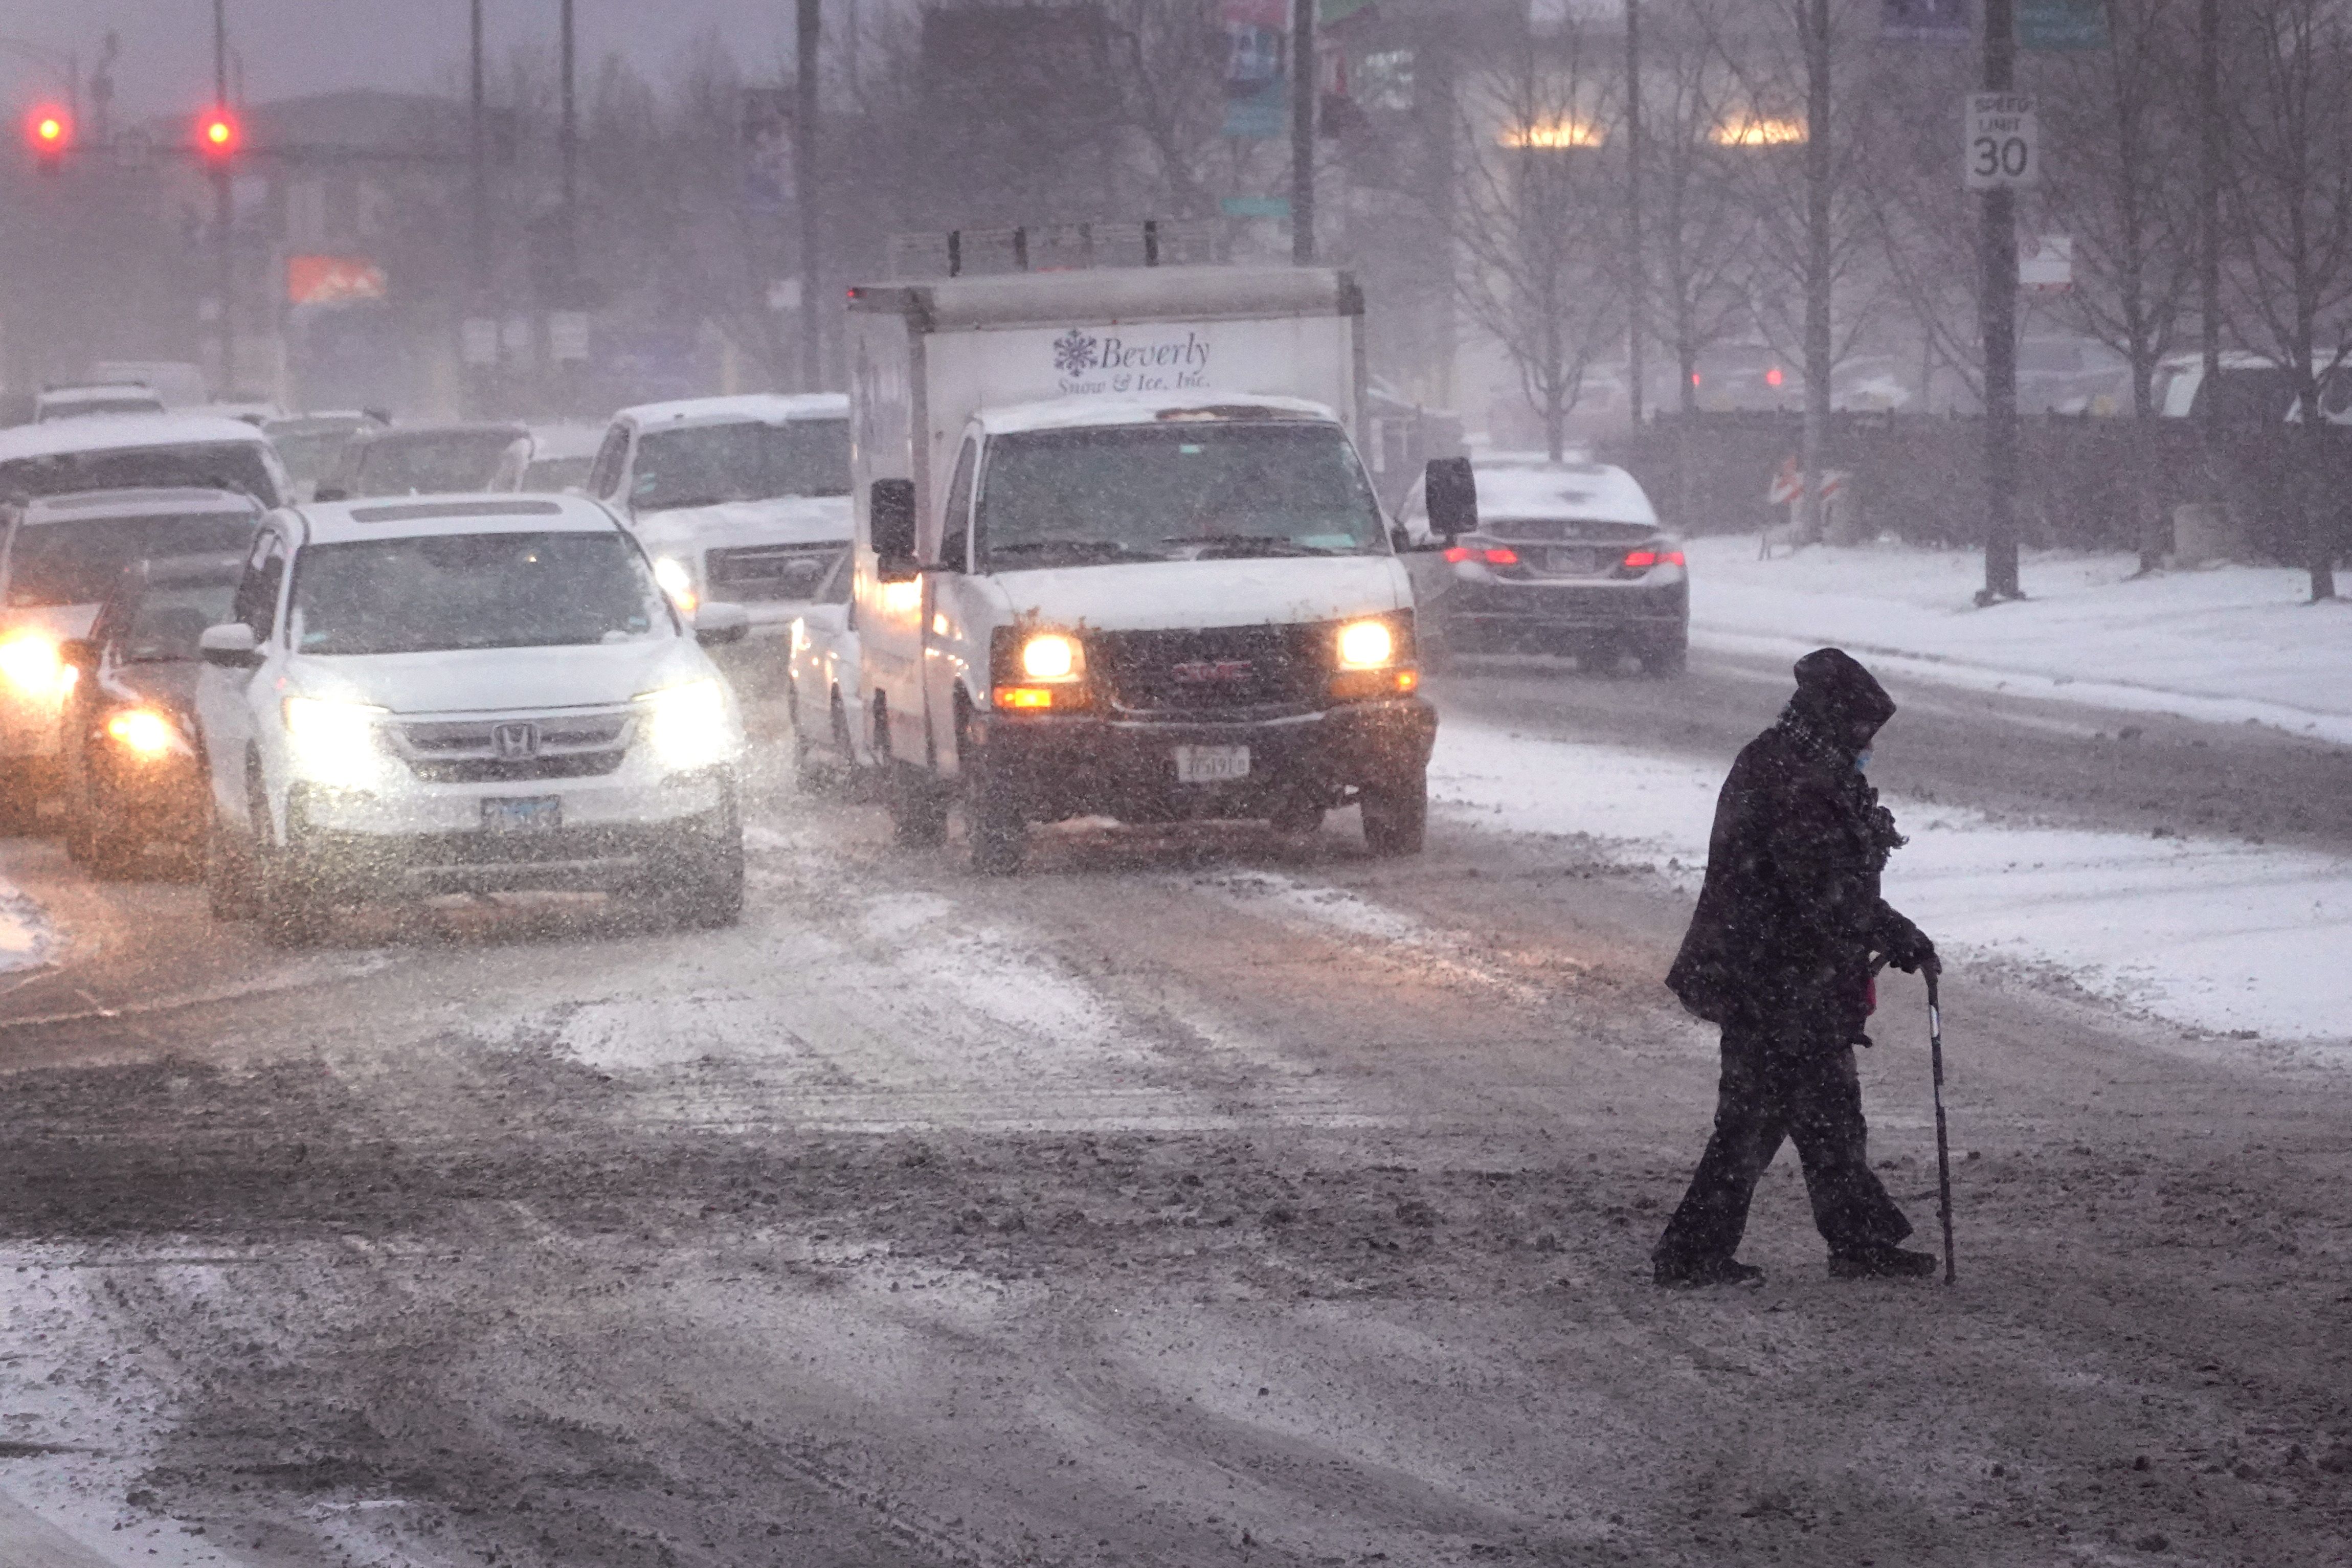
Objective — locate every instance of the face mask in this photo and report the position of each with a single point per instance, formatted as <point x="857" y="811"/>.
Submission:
<point x="1862" y="759"/>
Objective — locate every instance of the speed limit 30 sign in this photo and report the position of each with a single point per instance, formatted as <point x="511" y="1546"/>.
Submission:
<point x="2003" y="142"/>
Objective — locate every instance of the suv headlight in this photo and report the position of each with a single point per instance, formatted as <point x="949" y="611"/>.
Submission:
<point x="1366" y="645"/>
<point x="688" y="726"/>
<point x="677" y="580"/>
<point x="333" y="743"/>
<point x="1053" y="655"/>
<point x="33" y="668"/>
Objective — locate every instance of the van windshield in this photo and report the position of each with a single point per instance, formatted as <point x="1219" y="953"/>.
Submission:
<point x="204" y="464"/>
<point x="706" y="464"/>
<point x="452" y="591"/>
<point x="76" y="562"/>
<point x="1174" y="492"/>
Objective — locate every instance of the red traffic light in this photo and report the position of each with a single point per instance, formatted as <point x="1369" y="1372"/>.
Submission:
<point x="48" y="131"/>
<point x="216" y="134"/>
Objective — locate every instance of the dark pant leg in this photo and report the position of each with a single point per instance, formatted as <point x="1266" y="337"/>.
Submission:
<point x="1749" y="1127"/>
<point x="1820" y="1096"/>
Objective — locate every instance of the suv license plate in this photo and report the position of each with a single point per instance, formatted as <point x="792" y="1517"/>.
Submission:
<point x="1211" y="764"/>
<point x="522" y="814"/>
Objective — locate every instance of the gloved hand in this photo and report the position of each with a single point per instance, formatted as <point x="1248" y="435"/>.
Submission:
<point x="1911" y="951"/>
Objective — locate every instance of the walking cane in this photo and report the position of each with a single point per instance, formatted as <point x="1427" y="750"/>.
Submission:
<point x="1943" y="1139"/>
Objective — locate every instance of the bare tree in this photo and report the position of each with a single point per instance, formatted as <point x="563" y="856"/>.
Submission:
<point x="2291" y="209"/>
<point x="1696" y="118"/>
<point x="1534" y="215"/>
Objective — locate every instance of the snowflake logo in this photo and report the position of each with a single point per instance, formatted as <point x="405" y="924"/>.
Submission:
<point x="1074" y="352"/>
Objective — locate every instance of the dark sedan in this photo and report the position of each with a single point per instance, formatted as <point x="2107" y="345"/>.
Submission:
<point x="1566" y="558"/>
<point x="132" y="777"/>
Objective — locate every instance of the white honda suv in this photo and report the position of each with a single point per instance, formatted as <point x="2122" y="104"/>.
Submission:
<point x="464" y="693"/>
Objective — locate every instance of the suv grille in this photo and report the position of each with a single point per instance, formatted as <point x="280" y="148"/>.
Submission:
<point x="563" y="746"/>
<point x="1224" y="671"/>
<point x="767" y="571"/>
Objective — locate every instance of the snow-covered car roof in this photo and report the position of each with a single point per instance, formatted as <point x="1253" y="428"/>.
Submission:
<point x="565" y="441"/>
<point x="124" y="432"/>
<point x="1149" y="408"/>
<point x="1529" y="488"/>
<point x="742" y="408"/>
<point x="400" y="517"/>
<point x="98" y="391"/>
<point x="155" y="500"/>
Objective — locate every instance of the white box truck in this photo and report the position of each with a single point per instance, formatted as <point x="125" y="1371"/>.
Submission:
<point x="1116" y="555"/>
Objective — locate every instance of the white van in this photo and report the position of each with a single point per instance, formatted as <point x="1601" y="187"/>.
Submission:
<point x="1116" y="555"/>
<point x="464" y="693"/>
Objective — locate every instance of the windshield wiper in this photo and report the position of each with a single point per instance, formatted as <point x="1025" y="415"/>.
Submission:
<point x="1233" y="546"/>
<point x="1097" y="550"/>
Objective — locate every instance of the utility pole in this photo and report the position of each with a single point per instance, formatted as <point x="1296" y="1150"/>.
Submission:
<point x="1638" y="278"/>
<point x="2209" y="198"/>
<point x="1818" y="300"/>
<point x="1302" y="132"/>
<point x="1997" y="261"/>
<point x="478" y="129"/>
<point x="571" y="150"/>
<point x="809" y="31"/>
<point x="223" y="211"/>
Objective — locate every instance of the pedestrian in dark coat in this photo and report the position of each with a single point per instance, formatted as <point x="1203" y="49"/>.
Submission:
<point x="1780" y="954"/>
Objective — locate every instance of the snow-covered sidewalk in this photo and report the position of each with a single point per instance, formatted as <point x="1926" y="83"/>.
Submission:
<point x="2224" y="644"/>
<point x="26" y="937"/>
<point x="2212" y="935"/>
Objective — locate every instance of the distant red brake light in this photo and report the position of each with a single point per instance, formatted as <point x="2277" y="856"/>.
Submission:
<point x="1502" y="555"/>
<point x="1642" y="559"/>
<point x="1457" y="553"/>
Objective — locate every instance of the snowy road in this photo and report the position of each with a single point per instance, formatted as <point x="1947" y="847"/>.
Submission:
<point x="1196" y="1198"/>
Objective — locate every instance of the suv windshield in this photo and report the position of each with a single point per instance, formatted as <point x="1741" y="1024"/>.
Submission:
<point x="474" y="591"/>
<point x="76" y="562"/>
<point x="711" y="463"/>
<point x="440" y="463"/>
<point x="170" y="616"/>
<point x="207" y="466"/>
<point x="1174" y="492"/>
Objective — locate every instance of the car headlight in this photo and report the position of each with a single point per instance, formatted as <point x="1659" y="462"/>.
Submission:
<point x="333" y="743"/>
<point x="688" y="726"/>
<point x="143" y="732"/>
<point x="1053" y="655"/>
<point x="1366" y="645"/>
<point x="31" y="665"/>
<point x="677" y="580"/>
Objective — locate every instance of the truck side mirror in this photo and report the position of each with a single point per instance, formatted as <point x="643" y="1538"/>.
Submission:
<point x="231" y="644"/>
<point x="1453" y="495"/>
<point x="890" y="524"/>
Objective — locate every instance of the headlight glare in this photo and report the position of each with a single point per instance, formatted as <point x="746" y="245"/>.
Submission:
<point x="333" y="743"/>
<point x="688" y="726"/>
<point x="143" y="732"/>
<point x="1053" y="655"/>
<point x="677" y="580"/>
<point x="32" y="667"/>
<point x="1366" y="645"/>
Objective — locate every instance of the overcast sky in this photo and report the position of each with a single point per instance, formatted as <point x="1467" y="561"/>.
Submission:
<point x="295" y="46"/>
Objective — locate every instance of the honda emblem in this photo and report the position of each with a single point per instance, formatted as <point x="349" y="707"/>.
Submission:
<point x="515" y="743"/>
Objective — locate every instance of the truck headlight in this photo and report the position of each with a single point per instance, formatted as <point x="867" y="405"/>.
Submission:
<point x="687" y="725"/>
<point x="33" y="668"/>
<point x="1366" y="645"/>
<point x="1053" y="655"/>
<point x="333" y="743"/>
<point x="677" y="580"/>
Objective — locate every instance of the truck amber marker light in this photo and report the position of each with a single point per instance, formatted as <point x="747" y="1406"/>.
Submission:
<point x="1024" y="697"/>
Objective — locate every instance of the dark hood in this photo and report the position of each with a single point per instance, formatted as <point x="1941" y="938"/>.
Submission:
<point x="169" y="684"/>
<point x="1833" y="690"/>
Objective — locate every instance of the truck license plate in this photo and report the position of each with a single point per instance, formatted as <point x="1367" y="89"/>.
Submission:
<point x="522" y="814"/>
<point x="1211" y="764"/>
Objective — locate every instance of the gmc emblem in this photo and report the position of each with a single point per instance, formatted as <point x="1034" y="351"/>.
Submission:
<point x="1208" y="670"/>
<point x="515" y="743"/>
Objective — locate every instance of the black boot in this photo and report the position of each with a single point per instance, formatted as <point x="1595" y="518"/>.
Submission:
<point x="1681" y="1274"/>
<point x="1882" y="1262"/>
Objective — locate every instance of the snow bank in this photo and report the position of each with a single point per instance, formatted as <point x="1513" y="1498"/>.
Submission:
<point x="2224" y="644"/>
<point x="26" y="937"/>
<point x="2209" y="934"/>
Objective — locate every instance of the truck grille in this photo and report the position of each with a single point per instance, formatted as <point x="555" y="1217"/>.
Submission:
<point x="1226" y="671"/>
<point x="767" y="572"/>
<point x="563" y="746"/>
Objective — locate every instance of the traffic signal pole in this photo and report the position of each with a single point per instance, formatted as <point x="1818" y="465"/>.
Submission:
<point x="1303" y="87"/>
<point x="808" y="32"/>
<point x="1997" y="261"/>
<point x="224" y="212"/>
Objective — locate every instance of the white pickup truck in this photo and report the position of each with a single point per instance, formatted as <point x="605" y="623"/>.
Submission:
<point x="1116" y="555"/>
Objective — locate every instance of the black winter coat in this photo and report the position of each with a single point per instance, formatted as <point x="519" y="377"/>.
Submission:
<point x="1790" y="912"/>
